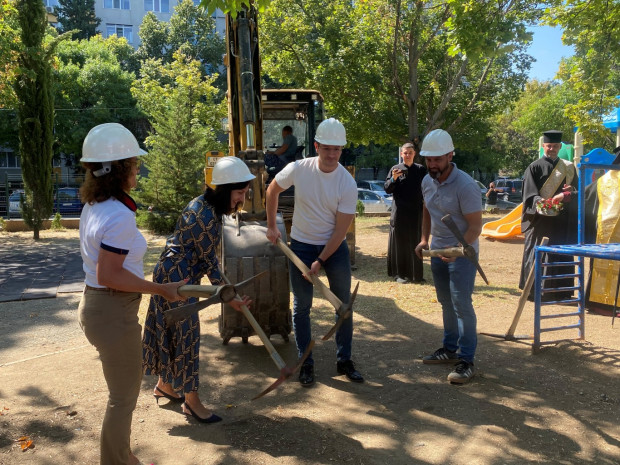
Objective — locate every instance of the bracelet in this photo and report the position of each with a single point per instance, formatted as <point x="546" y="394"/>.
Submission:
<point x="320" y="260"/>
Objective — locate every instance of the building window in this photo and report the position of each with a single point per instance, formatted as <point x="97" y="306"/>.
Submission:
<point x="116" y="4"/>
<point x="159" y="6"/>
<point x="121" y="30"/>
<point x="8" y="159"/>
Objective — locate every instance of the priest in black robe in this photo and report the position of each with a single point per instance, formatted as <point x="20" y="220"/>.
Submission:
<point x="549" y="177"/>
<point x="404" y="182"/>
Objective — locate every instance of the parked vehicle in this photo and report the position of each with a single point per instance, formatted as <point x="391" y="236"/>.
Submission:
<point x="509" y="189"/>
<point x="14" y="208"/>
<point x="67" y="201"/>
<point x="373" y="202"/>
<point x="375" y="186"/>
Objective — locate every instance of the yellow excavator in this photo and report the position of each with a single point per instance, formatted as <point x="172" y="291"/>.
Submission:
<point x="255" y="121"/>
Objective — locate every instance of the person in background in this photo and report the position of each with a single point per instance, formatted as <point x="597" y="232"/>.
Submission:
<point x="278" y="159"/>
<point x="448" y="190"/>
<point x="325" y="201"/>
<point x="172" y="353"/>
<point x="602" y="214"/>
<point x="404" y="182"/>
<point x="549" y="179"/>
<point x="491" y="195"/>
<point x="112" y="249"/>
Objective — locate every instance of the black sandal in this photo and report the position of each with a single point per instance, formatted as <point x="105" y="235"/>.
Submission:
<point x="171" y="398"/>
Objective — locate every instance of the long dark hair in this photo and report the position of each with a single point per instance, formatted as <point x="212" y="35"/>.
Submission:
<point x="219" y="198"/>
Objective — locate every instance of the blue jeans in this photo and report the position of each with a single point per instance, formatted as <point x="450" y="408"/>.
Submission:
<point x="338" y="270"/>
<point x="454" y="285"/>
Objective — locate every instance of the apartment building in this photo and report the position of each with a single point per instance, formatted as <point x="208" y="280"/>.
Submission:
<point x="124" y="17"/>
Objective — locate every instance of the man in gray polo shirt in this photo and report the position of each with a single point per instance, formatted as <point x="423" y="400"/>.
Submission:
<point x="448" y="190"/>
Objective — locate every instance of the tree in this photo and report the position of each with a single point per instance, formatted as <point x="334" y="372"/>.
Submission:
<point x="78" y="15"/>
<point x="518" y="129"/>
<point x="185" y="118"/>
<point x="593" y="28"/>
<point x="392" y="71"/>
<point x="35" y="110"/>
<point x="190" y="29"/>
<point x="93" y="86"/>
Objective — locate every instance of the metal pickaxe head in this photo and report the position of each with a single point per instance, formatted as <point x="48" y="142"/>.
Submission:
<point x="286" y="372"/>
<point x="468" y="250"/>
<point x="223" y="294"/>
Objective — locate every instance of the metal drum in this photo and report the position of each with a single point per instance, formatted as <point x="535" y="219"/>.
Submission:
<point x="247" y="252"/>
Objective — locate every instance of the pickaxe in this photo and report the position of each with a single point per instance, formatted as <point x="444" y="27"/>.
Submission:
<point x="216" y="294"/>
<point x="285" y="371"/>
<point x="343" y="311"/>
<point x="468" y="250"/>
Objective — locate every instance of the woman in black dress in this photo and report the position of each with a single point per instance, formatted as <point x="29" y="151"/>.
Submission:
<point x="404" y="183"/>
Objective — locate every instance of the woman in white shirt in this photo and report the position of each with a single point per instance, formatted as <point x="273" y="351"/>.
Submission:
<point x="112" y="250"/>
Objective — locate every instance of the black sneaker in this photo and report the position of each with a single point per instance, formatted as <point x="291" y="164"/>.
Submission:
<point x="441" y="356"/>
<point x="306" y="375"/>
<point x="462" y="373"/>
<point x="348" y="368"/>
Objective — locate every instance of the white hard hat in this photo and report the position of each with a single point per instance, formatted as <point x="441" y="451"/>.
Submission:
<point x="109" y="142"/>
<point x="230" y="170"/>
<point x="436" y="143"/>
<point x="331" y="132"/>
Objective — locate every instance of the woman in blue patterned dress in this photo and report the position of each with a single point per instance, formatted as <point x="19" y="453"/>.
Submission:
<point x="172" y="353"/>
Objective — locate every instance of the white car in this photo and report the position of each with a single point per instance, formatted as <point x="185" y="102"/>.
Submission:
<point x="375" y="186"/>
<point x="373" y="202"/>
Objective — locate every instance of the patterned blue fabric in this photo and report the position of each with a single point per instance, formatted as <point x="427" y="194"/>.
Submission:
<point x="190" y="252"/>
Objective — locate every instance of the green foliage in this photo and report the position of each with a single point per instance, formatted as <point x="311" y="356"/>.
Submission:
<point x="78" y="15"/>
<point x="190" y="30"/>
<point x="517" y="130"/>
<point x="232" y="6"/>
<point x="93" y="86"/>
<point x="35" y="110"/>
<point x="392" y="71"/>
<point x="359" y="208"/>
<point x="9" y="37"/>
<point x="56" y="223"/>
<point x="185" y="116"/>
<point x="593" y="73"/>
<point x="156" y="222"/>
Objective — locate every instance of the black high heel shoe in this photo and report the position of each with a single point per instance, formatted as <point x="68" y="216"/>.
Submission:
<point x="177" y="400"/>
<point x="212" y="419"/>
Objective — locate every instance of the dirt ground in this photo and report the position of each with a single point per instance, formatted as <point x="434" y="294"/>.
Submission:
<point x="560" y="405"/>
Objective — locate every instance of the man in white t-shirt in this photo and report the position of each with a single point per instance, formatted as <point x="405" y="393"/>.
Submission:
<point x="325" y="201"/>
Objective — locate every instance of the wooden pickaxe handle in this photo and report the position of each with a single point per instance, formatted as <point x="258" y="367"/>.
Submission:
<point x="449" y="252"/>
<point x="197" y="290"/>
<point x="273" y="353"/>
<point x="326" y="291"/>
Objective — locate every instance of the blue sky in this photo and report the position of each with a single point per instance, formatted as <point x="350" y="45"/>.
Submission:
<point x="548" y="50"/>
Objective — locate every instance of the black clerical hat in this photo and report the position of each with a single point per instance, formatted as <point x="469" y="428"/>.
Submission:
<point x="552" y="137"/>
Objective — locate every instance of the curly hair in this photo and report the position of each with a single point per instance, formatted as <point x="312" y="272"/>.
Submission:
<point x="219" y="198"/>
<point x="114" y="184"/>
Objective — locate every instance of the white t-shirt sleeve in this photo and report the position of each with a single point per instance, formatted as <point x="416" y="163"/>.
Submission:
<point x="286" y="177"/>
<point x="118" y="237"/>
<point x="348" y="203"/>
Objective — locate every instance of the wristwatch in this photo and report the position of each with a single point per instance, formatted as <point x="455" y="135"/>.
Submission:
<point x="320" y="260"/>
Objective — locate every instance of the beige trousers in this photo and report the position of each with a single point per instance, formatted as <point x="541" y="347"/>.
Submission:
<point x="109" y="320"/>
